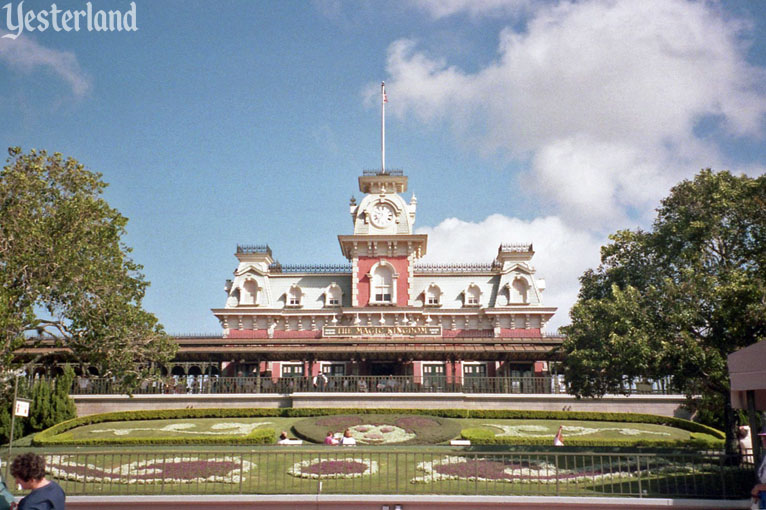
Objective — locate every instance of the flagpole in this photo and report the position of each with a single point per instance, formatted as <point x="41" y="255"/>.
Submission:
<point x="383" y="126"/>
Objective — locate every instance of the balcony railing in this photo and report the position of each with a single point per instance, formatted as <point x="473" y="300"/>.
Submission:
<point x="468" y="267"/>
<point x="250" y="249"/>
<point x="312" y="469"/>
<point x="309" y="268"/>
<point x="203" y="384"/>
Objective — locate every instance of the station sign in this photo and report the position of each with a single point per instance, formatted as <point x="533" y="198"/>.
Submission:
<point x="22" y="407"/>
<point x="384" y="331"/>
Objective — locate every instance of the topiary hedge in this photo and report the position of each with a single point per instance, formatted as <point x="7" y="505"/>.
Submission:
<point x="45" y="437"/>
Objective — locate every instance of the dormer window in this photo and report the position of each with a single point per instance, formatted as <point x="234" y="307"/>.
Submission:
<point x="472" y="295"/>
<point x="519" y="291"/>
<point x="294" y="296"/>
<point x="248" y="295"/>
<point x="333" y="295"/>
<point x="383" y="284"/>
<point x="433" y="295"/>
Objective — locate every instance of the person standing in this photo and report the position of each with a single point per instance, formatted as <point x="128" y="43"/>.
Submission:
<point x="28" y="469"/>
<point x="759" y="491"/>
<point x="559" y="439"/>
<point x="745" y="443"/>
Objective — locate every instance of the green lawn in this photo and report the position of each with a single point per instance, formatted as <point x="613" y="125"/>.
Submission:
<point x="384" y="471"/>
<point x="180" y="428"/>
<point x="522" y="429"/>
<point x="578" y="429"/>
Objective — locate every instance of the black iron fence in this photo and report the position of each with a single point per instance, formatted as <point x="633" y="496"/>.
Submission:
<point x="354" y="470"/>
<point x="204" y="384"/>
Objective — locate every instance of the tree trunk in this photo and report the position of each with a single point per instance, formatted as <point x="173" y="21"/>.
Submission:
<point x="730" y="426"/>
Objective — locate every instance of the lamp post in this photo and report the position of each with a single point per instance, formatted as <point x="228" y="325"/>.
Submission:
<point x="13" y="420"/>
<point x="21" y="408"/>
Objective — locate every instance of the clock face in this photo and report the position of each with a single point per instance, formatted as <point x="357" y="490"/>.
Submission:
<point x="381" y="215"/>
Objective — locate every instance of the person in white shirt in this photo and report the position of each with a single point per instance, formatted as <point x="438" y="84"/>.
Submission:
<point x="759" y="491"/>
<point x="559" y="439"/>
<point x="348" y="439"/>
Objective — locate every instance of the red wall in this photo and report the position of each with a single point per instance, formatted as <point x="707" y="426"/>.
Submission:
<point x="401" y="265"/>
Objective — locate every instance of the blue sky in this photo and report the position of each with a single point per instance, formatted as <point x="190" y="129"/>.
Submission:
<point x="228" y="122"/>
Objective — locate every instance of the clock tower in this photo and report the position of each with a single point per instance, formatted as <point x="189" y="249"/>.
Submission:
<point x="383" y="247"/>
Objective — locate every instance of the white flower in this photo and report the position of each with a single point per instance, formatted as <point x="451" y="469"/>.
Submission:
<point x="380" y="434"/>
<point x="226" y="428"/>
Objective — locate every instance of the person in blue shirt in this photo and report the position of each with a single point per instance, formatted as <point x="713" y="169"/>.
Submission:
<point x="29" y="471"/>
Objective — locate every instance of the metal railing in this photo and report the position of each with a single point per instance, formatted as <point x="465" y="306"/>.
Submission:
<point x="250" y="249"/>
<point x="467" y="267"/>
<point x="311" y="469"/>
<point x="388" y="171"/>
<point x="276" y="267"/>
<point x="204" y="384"/>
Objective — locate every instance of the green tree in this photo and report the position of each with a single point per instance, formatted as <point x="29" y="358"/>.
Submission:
<point x="676" y="300"/>
<point x="67" y="279"/>
<point x="62" y="406"/>
<point x="40" y="410"/>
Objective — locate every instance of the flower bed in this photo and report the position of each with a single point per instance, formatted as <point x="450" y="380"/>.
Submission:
<point x="537" y="471"/>
<point x="378" y="429"/>
<point x="333" y="468"/>
<point x="380" y="434"/>
<point x="158" y="470"/>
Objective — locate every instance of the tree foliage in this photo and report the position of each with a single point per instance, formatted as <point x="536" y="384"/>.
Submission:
<point x="676" y="300"/>
<point x="50" y="405"/>
<point x="67" y="279"/>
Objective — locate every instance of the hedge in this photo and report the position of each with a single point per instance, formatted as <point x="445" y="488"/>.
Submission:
<point x="46" y="437"/>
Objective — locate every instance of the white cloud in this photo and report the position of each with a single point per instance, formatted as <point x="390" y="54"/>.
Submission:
<point x="444" y="8"/>
<point x="601" y="96"/>
<point x="562" y="253"/>
<point x="26" y="55"/>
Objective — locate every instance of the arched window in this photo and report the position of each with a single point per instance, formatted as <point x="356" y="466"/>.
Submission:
<point x="249" y="293"/>
<point x="333" y="295"/>
<point x="472" y="295"/>
<point x="294" y="296"/>
<point x="433" y="295"/>
<point x="383" y="284"/>
<point x="519" y="290"/>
